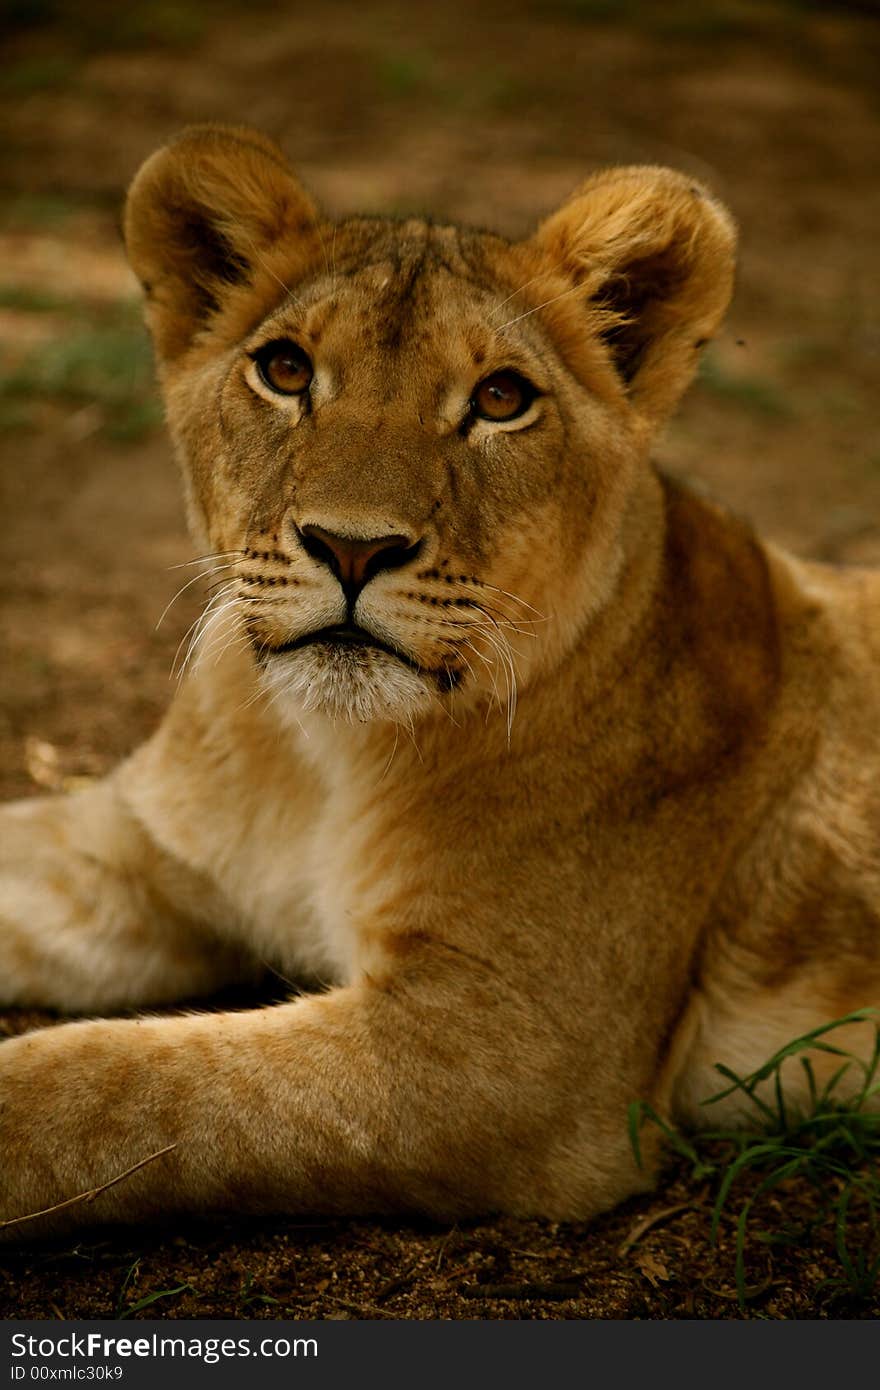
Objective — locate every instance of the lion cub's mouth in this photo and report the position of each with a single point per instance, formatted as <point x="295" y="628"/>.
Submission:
<point x="342" y="635"/>
<point x="348" y="672"/>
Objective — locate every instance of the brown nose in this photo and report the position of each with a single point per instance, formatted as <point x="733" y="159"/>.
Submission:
<point x="354" y="562"/>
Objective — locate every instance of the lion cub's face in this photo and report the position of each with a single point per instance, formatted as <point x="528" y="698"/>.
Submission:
<point x="412" y="446"/>
<point x="407" y="482"/>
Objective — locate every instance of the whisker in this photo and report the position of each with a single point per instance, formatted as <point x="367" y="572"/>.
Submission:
<point x="218" y="583"/>
<point x="502" y="635"/>
<point x="273" y="699"/>
<point x="221" y="645"/>
<point x="411" y="733"/>
<point x="387" y="767"/>
<point x="503" y="619"/>
<point x="223" y="639"/>
<point x="203" y="559"/>
<point x="505" y="653"/>
<point x="515" y="597"/>
<point x="206" y="620"/>
<point x="541" y="275"/>
<point x="249" y="539"/>
<point x="273" y="970"/>
<point x="317" y="226"/>
<point x="573" y="289"/>
<point x="492" y="669"/>
<point x="260" y="693"/>
<point x="183" y="588"/>
<point x="462" y="656"/>
<point x="546" y="271"/>
<point x="269" y="271"/>
<point x="509" y="680"/>
<point x="448" y="712"/>
<point x="195" y="622"/>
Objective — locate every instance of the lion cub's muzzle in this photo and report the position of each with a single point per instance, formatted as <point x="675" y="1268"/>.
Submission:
<point x="341" y="660"/>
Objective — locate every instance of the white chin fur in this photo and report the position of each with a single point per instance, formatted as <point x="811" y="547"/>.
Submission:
<point x="353" y="683"/>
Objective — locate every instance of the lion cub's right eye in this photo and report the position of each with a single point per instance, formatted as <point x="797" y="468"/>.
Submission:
<point x="284" y="367"/>
<point x="502" y="396"/>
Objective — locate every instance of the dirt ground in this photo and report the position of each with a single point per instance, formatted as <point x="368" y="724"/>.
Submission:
<point x="489" y="113"/>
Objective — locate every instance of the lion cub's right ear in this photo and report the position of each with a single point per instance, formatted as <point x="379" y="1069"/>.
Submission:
<point x="215" y="211"/>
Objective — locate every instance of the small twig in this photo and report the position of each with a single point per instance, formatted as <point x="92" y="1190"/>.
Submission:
<point x="364" y="1310"/>
<point x="654" y="1218"/>
<point x="91" y="1194"/>
<point x="749" y="1292"/>
<point x="448" y="1275"/>
<point x="453" y="1231"/>
<point x="521" y="1291"/>
<point x="398" y="1282"/>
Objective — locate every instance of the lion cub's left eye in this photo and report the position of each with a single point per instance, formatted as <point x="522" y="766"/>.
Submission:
<point x="284" y="367"/>
<point x="502" y="396"/>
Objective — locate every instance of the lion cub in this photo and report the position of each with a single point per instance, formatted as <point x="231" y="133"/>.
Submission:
<point x="559" y="783"/>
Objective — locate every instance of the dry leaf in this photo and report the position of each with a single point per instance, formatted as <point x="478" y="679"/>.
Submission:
<point x="43" y="763"/>
<point x="653" y="1269"/>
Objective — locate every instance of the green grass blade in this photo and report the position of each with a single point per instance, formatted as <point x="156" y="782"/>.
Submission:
<point x="781" y="1115"/>
<point x="811" y="1081"/>
<point x="151" y="1298"/>
<point x="827" y="1142"/>
<point x="639" y="1111"/>
<point x="870" y="1071"/>
<point x="739" y="1083"/>
<point x="634" y="1112"/>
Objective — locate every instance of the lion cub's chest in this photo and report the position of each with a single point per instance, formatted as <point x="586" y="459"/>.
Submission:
<point x="305" y="919"/>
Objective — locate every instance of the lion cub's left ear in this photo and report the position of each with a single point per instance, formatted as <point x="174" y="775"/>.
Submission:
<point x="215" y="211"/>
<point x="653" y="252"/>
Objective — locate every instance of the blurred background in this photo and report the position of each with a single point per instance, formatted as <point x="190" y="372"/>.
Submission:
<point x="486" y="112"/>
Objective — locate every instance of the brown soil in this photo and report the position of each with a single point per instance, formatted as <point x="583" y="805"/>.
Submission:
<point x="490" y="113"/>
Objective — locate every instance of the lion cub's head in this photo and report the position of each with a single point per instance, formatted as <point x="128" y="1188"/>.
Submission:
<point x="414" y="446"/>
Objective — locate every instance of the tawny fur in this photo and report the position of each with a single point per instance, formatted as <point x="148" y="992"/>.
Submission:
<point x="606" y="812"/>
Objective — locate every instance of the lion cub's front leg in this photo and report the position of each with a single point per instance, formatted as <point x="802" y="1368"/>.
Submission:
<point x="93" y="915"/>
<point x="418" y="1093"/>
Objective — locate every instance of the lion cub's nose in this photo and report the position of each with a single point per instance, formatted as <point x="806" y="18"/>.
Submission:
<point x="354" y="562"/>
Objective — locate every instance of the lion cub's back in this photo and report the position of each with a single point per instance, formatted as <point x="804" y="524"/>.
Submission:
<point x="794" y="940"/>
